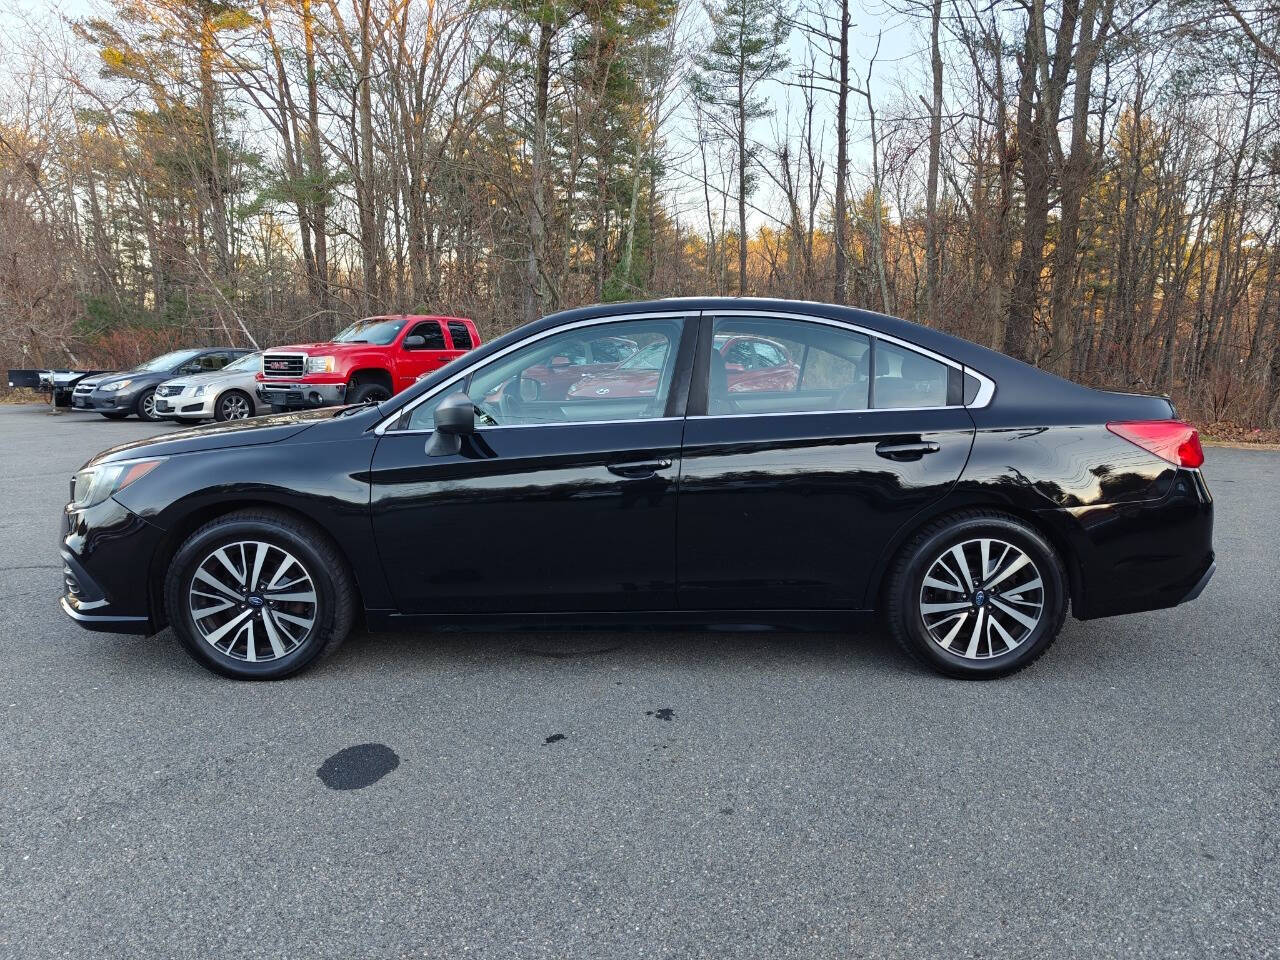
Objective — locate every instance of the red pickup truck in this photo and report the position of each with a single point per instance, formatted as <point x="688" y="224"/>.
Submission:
<point x="372" y="359"/>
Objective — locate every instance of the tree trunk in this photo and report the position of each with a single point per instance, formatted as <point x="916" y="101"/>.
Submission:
<point x="535" y="291"/>
<point x="932" y="253"/>
<point x="842" y="162"/>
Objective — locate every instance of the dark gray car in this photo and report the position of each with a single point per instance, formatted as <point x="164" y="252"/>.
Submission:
<point x="116" y="395"/>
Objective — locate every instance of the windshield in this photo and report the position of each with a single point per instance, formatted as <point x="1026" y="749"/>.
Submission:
<point x="167" y="361"/>
<point x="651" y="357"/>
<point x="379" y="330"/>
<point x="250" y="361"/>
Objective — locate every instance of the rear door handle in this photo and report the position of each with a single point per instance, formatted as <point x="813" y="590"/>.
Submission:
<point x="906" y="451"/>
<point x="641" y="470"/>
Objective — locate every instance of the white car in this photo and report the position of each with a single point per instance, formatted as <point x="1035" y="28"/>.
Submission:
<point x="226" y="394"/>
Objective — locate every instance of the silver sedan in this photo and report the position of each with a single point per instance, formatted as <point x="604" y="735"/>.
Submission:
<point x="226" y="394"/>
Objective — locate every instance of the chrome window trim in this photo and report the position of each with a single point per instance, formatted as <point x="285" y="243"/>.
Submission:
<point x="384" y="425"/>
<point x="554" y="423"/>
<point x="818" y="413"/>
<point x="986" y="386"/>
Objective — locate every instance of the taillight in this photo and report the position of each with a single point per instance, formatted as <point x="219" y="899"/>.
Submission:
<point x="1171" y="440"/>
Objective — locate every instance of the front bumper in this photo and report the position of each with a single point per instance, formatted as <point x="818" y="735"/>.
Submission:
<point x="106" y="553"/>
<point x="300" y="395"/>
<point x="184" y="408"/>
<point x="99" y="402"/>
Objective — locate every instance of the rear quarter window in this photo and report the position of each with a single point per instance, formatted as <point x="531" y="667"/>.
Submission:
<point x="460" y="335"/>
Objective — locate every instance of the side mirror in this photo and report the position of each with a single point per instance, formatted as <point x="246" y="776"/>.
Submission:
<point x="530" y="389"/>
<point x="455" y="418"/>
<point x="415" y="343"/>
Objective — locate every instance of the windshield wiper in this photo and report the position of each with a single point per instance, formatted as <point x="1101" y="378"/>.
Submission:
<point x="351" y="341"/>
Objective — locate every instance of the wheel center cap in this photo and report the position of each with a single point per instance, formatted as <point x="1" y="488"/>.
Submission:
<point x="254" y="600"/>
<point x="979" y="598"/>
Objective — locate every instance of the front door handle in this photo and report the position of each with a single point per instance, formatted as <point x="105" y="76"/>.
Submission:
<point x="641" y="470"/>
<point x="906" y="451"/>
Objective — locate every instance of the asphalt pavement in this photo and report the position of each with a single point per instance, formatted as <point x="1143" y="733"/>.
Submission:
<point x="719" y="795"/>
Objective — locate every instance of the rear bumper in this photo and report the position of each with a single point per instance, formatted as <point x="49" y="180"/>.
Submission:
<point x="1146" y="555"/>
<point x="300" y="395"/>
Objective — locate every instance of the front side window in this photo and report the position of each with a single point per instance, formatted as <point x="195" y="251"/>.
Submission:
<point x="766" y="365"/>
<point x="611" y="349"/>
<point x="376" y="330"/>
<point x="524" y="388"/>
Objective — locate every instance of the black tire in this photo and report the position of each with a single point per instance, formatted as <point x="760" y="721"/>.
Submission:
<point x="223" y="406"/>
<point x="904" y="584"/>
<point x="321" y="561"/>
<point x="365" y="392"/>
<point x="116" y="414"/>
<point x="145" y="406"/>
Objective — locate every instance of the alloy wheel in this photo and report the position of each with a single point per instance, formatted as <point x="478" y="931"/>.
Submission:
<point x="253" y="601"/>
<point x="982" y="598"/>
<point x="235" y="408"/>
<point x="149" y="405"/>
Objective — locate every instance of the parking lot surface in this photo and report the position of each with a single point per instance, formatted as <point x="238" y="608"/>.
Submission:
<point x="638" y="794"/>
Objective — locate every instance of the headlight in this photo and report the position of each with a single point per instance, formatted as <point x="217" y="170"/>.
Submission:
<point x="198" y="391"/>
<point x="113" y="387"/>
<point x="320" y="365"/>
<point x="94" y="484"/>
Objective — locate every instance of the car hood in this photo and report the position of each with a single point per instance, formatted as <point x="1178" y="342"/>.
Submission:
<point x="218" y="436"/>
<point x="314" y="349"/>
<point x="618" y="382"/>
<point x="212" y="377"/>
<point x="134" y="375"/>
<point x="96" y="379"/>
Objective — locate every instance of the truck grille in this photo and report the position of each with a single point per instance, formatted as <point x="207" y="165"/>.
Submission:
<point x="284" y="364"/>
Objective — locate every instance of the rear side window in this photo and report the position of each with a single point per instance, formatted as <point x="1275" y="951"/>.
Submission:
<point x="430" y="331"/>
<point x="764" y="365"/>
<point x="906" y="379"/>
<point x="460" y="335"/>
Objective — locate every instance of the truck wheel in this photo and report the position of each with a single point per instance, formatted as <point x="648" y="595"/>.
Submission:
<point x="366" y="392"/>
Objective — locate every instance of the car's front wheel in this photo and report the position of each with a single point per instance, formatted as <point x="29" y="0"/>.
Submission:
<point x="976" y="595"/>
<point x="233" y="405"/>
<point x="145" y="407"/>
<point x="259" y="595"/>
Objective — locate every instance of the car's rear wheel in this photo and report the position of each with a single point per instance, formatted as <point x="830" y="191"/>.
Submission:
<point x="366" y="392"/>
<point x="145" y="407"/>
<point x="259" y="595"/>
<point x="976" y="595"/>
<point x="233" y="405"/>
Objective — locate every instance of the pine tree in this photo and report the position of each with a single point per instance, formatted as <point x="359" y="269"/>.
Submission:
<point x="747" y="37"/>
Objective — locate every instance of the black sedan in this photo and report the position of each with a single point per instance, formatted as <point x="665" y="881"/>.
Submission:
<point x="116" y="395"/>
<point x="848" y="463"/>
